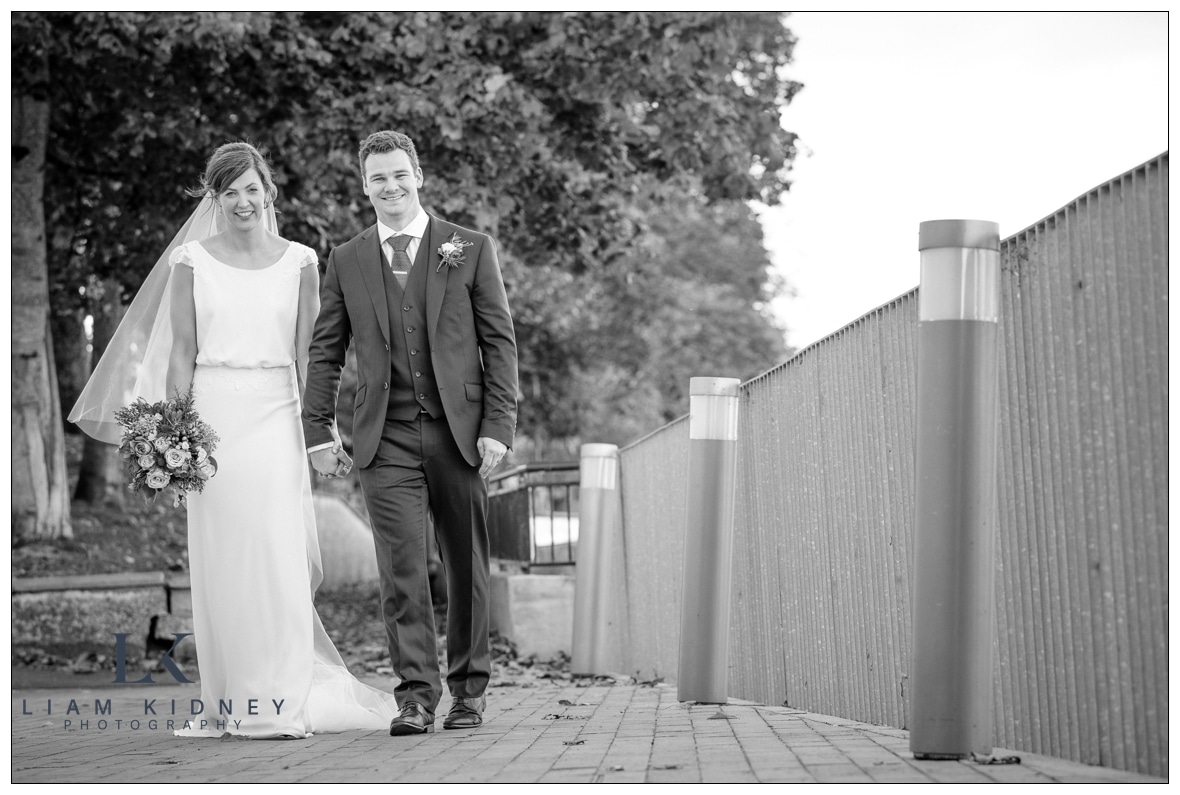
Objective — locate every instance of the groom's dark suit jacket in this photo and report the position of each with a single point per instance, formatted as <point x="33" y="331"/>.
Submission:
<point x="468" y="330"/>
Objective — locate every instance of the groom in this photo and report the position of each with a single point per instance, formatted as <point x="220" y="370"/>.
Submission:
<point x="435" y="412"/>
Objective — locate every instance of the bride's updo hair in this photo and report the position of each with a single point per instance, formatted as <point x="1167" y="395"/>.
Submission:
<point x="231" y="161"/>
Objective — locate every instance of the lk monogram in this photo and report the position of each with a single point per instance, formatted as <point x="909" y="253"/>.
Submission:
<point x="166" y="661"/>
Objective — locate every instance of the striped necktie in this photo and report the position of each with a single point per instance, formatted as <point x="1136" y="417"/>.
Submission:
<point x="399" y="260"/>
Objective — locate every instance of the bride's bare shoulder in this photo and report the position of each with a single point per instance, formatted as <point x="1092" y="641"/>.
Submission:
<point x="215" y="246"/>
<point x="277" y="244"/>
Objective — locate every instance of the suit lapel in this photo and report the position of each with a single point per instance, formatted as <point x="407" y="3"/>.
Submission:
<point x="436" y="278"/>
<point x="370" y="263"/>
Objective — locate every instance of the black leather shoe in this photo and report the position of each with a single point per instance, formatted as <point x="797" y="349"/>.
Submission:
<point x="466" y="713"/>
<point x="414" y="719"/>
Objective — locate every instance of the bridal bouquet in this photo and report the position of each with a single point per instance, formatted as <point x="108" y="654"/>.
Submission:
<point x="167" y="447"/>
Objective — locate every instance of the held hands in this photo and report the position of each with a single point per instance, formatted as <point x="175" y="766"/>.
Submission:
<point x="331" y="462"/>
<point x="491" y="452"/>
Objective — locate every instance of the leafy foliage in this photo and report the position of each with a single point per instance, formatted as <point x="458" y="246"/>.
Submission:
<point x="611" y="155"/>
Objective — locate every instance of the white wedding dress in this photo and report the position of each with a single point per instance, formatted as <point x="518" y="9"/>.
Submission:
<point x="267" y="667"/>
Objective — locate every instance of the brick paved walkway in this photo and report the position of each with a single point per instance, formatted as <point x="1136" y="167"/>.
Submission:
<point x="552" y="733"/>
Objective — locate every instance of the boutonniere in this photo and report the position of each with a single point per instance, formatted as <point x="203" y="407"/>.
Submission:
<point x="451" y="252"/>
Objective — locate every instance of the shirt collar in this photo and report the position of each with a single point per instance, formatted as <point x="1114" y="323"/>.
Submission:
<point x="415" y="228"/>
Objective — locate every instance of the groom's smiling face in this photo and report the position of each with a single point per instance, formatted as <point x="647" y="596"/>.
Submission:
<point x="392" y="183"/>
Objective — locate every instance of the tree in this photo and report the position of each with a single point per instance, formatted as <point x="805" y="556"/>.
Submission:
<point x="101" y="475"/>
<point x="547" y="129"/>
<point x="40" y="501"/>
<point x="128" y="135"/>
<point x="692" y="300"/>
<point x="566" y="135"/>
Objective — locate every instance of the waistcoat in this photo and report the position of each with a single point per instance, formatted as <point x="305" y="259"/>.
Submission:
<point x="412" y="386"/>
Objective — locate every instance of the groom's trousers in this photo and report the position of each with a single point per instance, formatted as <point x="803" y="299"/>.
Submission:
<point x="418" y="467"/>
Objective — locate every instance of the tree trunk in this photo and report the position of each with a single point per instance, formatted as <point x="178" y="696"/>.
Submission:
<point x="40" y="488"/>
<point x="69" y="353"/>
<point x="100" y="477"/>
<point x="100" y="474"/>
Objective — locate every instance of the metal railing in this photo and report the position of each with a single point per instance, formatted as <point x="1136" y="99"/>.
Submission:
<point x="533" y="514"/>
<point x="823" y="555"/>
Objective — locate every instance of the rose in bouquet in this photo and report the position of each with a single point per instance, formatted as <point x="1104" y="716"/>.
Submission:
<point x="166" y="447"/>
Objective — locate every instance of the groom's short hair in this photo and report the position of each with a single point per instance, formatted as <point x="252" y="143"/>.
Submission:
<point x="387" y="141"/>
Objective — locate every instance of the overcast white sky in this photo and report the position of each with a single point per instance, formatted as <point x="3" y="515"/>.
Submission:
<point x="907" y="117"/>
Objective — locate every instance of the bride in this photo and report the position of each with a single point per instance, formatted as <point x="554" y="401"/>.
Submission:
<point x="236" y="306"/>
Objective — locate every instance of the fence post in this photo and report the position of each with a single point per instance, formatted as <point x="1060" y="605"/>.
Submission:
<point x="956" y="506"/>
<point x="708" y="547"/>
<point x="598" y="524"/>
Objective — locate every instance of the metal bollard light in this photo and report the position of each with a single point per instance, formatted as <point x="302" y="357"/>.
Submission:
<point x="708" y="542"/>
<point x="598" y="524"/>
<point x="956" y="504"/>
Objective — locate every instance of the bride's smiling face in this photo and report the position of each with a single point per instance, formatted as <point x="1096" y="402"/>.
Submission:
<point x="244" y="201"/>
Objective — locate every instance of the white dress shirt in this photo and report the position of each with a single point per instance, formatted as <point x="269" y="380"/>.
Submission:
<point x="415" y="229"/>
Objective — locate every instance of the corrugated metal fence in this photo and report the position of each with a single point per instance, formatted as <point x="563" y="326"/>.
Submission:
<point x="821" y="602"/>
